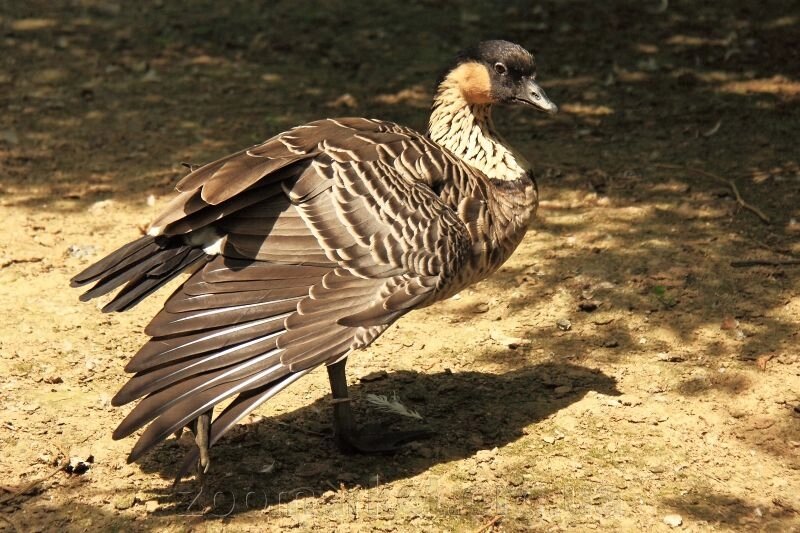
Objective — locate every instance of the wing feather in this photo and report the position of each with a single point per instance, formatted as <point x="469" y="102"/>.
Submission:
<point x="327" y="233"/>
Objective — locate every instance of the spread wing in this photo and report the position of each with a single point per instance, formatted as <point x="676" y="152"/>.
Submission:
<point x="324" y="236"/>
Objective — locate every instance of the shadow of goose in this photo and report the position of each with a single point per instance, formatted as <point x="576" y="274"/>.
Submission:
<point x="290" y="457"/>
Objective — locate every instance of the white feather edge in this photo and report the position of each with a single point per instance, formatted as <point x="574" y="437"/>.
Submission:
<point x="206" y="238"/>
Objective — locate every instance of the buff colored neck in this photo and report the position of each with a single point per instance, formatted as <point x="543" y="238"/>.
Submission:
<point x="461" y="121"/>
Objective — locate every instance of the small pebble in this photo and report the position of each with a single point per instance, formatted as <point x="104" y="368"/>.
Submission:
<point x="481" y="308"/>
<point x="126" y="501"/>
<point x="673" y="520"/>
<point x="563" y="324"/>
<point x="79" y="251"/>
<point x="101" y="206"/>
<point x="669" y="357"/>
<point x="484" y="456"/>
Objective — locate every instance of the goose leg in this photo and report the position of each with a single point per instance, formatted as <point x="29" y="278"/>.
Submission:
<point x="201" y="430"/>
<point x="349" y="437"/>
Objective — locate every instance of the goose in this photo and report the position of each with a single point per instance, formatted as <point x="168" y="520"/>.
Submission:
<point x="304" y="249"/>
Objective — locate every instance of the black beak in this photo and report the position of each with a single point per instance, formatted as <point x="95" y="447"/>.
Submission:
<point x="531" y="94"/>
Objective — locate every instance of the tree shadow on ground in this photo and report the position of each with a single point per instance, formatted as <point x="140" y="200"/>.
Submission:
<point x="122" y="95"/>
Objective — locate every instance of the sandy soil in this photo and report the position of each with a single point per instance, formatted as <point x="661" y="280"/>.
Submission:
<point x="617" y="372"/>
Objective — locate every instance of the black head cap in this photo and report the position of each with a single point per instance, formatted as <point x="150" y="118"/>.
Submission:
<point x="513" y="57"/>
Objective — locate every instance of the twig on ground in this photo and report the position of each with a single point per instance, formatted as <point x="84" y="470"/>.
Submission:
<point x="713" y="130"/>
<point x="775" y="250"/>
<point x="762" y="262"/>
<point x="19" y="492"/>
<point x="490" y="524"/>
<point x="15" y="261"/>
<point x="753" y="209"/>
<point x="783" y="505"/>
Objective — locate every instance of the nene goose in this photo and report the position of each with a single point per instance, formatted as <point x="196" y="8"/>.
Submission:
<point x="305" y="248"/>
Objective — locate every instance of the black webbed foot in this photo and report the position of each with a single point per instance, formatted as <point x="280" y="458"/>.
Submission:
<point x="376" y="439"/>
<point x="370" y="439"/>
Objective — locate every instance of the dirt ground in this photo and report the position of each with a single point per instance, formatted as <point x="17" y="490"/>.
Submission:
<point x="618" y="374"/>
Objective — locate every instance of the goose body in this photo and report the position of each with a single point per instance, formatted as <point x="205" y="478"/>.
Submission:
<point x="308" y="246"/>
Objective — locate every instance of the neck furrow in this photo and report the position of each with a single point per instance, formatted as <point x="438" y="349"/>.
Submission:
<point x="468" y="132"/>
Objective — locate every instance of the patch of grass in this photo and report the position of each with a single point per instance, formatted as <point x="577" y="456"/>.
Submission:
<point x="664" y="296"/>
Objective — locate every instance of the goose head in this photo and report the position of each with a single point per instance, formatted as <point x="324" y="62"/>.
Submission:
<point x="498" y="72"/>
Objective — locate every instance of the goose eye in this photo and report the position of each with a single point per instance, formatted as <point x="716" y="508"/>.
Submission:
<point x="500" y="68"/>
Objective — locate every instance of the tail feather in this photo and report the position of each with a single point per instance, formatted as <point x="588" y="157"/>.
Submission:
<point x="144" y="265"/>
<point x="109" y="279"/>
<point x="138" y="289"/>
<point x="109" y="262"/>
